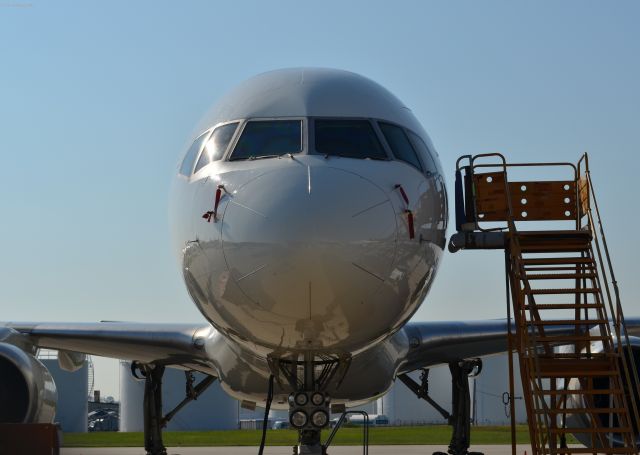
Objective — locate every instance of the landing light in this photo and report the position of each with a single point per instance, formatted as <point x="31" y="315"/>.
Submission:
<point x="319" y="419"/>
<point x="298" y="419"/>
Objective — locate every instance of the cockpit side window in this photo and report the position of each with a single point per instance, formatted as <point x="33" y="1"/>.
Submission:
<point x="216" y="145"/>
<point x="268" y="139"/>
<point x="192" y="153"/>
<point x="424" y="151"/>
<point x="400" y="145"/>
<point x="348" y="138"/>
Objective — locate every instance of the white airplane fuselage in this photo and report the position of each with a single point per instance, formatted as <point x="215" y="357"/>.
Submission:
<point x="308" y="252"/>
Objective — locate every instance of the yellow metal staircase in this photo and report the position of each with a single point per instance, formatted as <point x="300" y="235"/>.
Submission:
<point x="568" y="324"/>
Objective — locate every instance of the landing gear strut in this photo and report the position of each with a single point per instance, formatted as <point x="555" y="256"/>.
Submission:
<point x="460" y="418"/>
<point x="154" y="421"/>
<point x="309" y="376"/>
<point x="153" y="410"/>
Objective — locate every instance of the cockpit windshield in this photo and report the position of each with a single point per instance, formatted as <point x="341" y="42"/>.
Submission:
<point x="192" y="154"/>
<point x="216" y="145"/>
<point x="348" y="138"/>
<point x="268" y="139"/>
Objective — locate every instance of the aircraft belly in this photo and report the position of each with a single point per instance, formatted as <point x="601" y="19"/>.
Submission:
<point x="371" y="373"/>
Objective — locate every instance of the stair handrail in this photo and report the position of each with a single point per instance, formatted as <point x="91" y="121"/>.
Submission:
<point x="617" y="313"/>
<point x="341" y="420"/>
<point x="472" y="166"/>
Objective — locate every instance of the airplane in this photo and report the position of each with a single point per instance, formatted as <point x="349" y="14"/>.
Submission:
<point x="309" y="218"/>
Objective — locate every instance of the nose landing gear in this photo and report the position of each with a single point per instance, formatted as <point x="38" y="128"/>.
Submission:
<point x="309" y="404"/>
<point x="309" y="414"/>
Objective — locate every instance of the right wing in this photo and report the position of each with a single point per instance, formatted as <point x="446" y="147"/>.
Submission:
<point x="180" y="345"/>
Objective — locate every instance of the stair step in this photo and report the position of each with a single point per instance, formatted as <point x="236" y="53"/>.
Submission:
<point x="580" y="355"/>
<point x="560" y="276"/>
<point x="590" y="430"/>
<point x="577" y="374"/>
<point x="564" y="260"/>
<point x="564" y="306"/>
<point x="549" y="291"/>
<point x="574" y="368"/>
<point x="580" y="410"/>
<point x="559" y="339"/>
<point x="607" y="450"/>
<point x="569" y="322"/>
<point x="583" y="392"/>
<point x="558" y="268"/>
<point x="555" y="248"/>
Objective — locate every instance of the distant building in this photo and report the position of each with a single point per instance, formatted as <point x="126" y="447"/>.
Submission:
<point x="489" y="396"/>
<point x="401" y="406"/>
<point x="492" y="392"/>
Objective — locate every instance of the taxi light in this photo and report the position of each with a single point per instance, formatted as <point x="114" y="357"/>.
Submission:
<point x="317" y="398"/>
<point x="301" y="399"/>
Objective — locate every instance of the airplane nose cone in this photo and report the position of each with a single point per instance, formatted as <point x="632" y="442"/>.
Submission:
<point x="310" y="245"/>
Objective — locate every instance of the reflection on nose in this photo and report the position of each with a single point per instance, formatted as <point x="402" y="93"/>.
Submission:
<point x="303" y="240"/>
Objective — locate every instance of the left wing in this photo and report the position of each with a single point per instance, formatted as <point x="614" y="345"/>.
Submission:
<point x="435" y="343"/>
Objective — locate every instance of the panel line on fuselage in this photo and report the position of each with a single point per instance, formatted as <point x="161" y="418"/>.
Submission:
<point x="367" y="271"/>
<point x="249" y="208"/>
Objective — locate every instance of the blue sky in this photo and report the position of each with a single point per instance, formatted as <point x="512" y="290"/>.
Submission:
<point x="97" y="100"/>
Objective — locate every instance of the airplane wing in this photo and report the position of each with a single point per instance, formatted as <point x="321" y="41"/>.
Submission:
<point x="435" y="343"/>
<point x="180" y="345"/>
<point x="183" y="345"/>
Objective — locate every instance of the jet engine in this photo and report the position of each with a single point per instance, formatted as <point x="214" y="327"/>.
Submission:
<point x="27" y="390"/>
<point x="603" y="401"/>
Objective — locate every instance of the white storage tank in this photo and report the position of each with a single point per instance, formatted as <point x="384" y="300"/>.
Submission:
<point x="213" y="410"/>
<point x="491" y="387"/>
<point x="402" y="406"/>
<point x="72" y="406"/>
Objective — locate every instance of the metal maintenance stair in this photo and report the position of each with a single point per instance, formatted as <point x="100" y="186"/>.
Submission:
<point x="570" y="336"/>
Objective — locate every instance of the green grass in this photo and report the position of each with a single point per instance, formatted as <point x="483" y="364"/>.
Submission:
<point x="432" y="434"/>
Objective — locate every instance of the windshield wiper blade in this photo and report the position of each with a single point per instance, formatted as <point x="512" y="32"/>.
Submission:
<point x="262" y="157"/>
<point x="340" y="155"/>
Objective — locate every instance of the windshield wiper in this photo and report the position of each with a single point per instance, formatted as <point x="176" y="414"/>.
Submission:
<point x="252" y="157"/>
<point x="340" y="155"/>
<point x="262" y="157"/>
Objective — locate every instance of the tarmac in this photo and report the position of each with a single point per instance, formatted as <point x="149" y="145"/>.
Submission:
<point x="286" y="450"/>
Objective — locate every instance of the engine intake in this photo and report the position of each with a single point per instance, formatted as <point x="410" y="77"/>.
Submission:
<point x="27" y="390"/>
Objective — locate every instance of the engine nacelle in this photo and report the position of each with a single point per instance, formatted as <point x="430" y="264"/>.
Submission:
<point x="27" y="390"/>
<point x="602" y="401"/>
